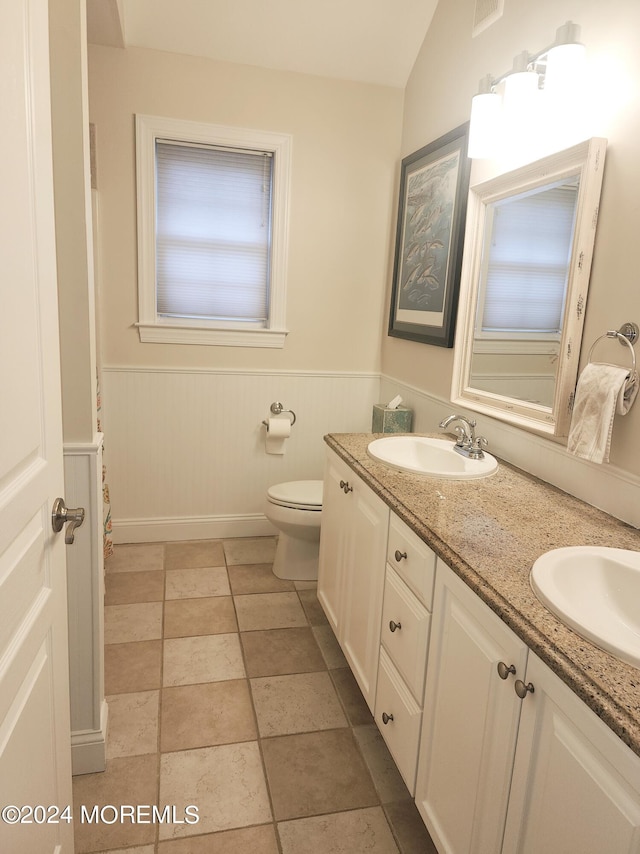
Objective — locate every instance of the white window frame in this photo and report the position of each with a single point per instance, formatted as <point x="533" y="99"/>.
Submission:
<point x="155" y="329"/>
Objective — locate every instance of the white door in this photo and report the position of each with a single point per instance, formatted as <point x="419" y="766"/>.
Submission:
<point x="35" y="757"/>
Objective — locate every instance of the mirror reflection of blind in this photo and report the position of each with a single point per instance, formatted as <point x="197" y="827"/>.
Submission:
<point x="529" y="255"/>
<point x="213" y="232"/>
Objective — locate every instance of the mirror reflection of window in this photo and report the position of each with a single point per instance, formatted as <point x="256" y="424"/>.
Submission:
<point x="525" y="266"/>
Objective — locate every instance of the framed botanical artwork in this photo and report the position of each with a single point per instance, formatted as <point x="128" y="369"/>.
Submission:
<point x="434" y="183"/>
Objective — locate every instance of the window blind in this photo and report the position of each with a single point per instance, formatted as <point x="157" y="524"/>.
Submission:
<point x="528" y="262"/>
<point x="213" y="232"/>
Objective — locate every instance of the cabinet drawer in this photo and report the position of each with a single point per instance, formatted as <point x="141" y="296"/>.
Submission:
<point x="404" y="718"/>
<point x="412" y="559"/>
<point x="405" y="632"/>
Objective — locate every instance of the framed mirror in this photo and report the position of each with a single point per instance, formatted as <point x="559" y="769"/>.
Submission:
<point x="524" y="282"/>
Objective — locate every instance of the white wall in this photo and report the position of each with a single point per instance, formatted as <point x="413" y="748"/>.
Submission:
<point x="445" y="77"/>
<point x="182" y="423"/>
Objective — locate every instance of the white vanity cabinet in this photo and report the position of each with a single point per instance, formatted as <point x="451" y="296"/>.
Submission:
<point x="500" y="773"/>
<point x="353" y="544"/>
<point x="470" y="721"/>
<point x="575" y="786"/>
<point x="404" y="641"/>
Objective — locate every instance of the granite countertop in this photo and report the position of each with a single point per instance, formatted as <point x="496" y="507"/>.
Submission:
<point x="490" y="531"/>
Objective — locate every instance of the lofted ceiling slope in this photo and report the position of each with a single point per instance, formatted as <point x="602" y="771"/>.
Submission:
<point x="370" y="41"/>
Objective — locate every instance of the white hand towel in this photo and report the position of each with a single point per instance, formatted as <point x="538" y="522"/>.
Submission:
<point x="600" y="393"/>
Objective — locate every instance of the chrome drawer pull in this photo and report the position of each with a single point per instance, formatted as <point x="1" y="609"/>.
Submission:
<point x="386" y="718"/>
<point x="399" y="555"/>
<point x="393" y="626"/>
<point x="344" y="486"/>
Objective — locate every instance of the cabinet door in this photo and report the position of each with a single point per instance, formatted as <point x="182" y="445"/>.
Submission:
<point x="470" y="721"/>
<point x="363" y="586"/>
<point x="334" y="538"/>
<point x="576" y="786"/>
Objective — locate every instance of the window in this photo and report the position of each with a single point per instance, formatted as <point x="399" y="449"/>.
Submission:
<point x="526" y="263"/>
<point x="212" y="233"/>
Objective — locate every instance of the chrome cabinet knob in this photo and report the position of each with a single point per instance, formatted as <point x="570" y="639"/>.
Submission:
<point x="344" y="486"/>
<point x="393" y="626"/>
<point x="503" y="671"/>
<point x="521" y="689"/>
<point x="386" y="718"/>
<point x="400" y="555"/>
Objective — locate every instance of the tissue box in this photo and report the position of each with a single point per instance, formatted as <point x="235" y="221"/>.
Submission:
<point x="387" y="420"/>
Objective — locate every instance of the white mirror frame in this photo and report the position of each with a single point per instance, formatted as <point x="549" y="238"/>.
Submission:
<point x="585" y="160"/>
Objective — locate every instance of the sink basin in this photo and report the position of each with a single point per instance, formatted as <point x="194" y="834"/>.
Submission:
<point x="434" y="457"/>
<point x="596" y="591"/>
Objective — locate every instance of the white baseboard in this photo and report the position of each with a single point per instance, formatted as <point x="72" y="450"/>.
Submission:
<point x="89" y="747"/>
<point x="191" y="528"/>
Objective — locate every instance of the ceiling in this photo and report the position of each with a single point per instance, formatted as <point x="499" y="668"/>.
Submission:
<point x="370" y="41"/>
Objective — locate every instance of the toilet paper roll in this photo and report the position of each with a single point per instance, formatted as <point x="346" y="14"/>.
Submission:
<point x="278" y="430"/>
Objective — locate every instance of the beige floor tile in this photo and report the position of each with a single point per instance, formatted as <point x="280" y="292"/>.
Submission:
<point x="384" y="772"/>
<point x="312" y="608"/>
<point x="128" y="623"/>
<point x="350" y="694"/>
<point x="196" y="553"/>
<point x="122" y="588"/>
<point x="136" y="558"/>
<point x="356" y="832"/>
<point x="269" y="611"/>
<point x="297" y="703"/>
<point x="133" y="724"/>
<point x="329" y="647"/>
<point x="212" y="658"/>
<point x="315" y="773"/>
<point x="195" y="583"/>
<point x="132" y="667"/>
<point x="206" y="715"/>
<point x="246" y="840"/>
<point x="279" y="651"/>
<point x="132" y="780"/>
<point x="226" y="784"/>
<point x="257" y="578"/>
<point x="207" y="616"/>
<point x="306" y="585"/>
<point x="250" y="550"/>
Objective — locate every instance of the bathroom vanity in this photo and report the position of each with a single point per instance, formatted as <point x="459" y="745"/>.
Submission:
<point x="512" y="732"/>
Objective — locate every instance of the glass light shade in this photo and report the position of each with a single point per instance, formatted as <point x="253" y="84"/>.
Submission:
<point x="564" y="94"/>
<point x="484" y="125"/>
<point x="520" y="91"/>
<point x="520" y="116"/>
<point x="566" y="68"/>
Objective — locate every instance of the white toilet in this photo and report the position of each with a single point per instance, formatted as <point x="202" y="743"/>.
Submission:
<point x="295" y="508"/>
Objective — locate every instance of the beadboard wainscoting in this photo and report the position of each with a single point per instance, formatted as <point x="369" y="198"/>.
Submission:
<point x="186" y="447"/>
<point x="606" y="487"/>
<point x="85" y="590"/>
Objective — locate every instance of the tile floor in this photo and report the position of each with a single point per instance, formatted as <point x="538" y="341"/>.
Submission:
<point x="228" y="691"/>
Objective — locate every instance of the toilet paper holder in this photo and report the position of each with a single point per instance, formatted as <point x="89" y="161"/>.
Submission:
<point x="277" y="409"/>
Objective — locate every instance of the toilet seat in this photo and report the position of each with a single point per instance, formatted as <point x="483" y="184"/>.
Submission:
<point x="297" y="494"/>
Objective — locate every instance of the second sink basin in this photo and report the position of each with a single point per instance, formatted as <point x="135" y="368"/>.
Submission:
<point x="594" y="590"/>
<point x="427" y="456"/>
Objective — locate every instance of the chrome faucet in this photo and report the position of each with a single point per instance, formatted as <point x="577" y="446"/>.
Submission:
<point x="467" y="443"/>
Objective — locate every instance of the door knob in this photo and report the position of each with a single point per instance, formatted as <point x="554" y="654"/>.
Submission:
<point x="61" y="515"/>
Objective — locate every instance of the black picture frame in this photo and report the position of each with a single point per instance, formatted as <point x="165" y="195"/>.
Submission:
<point x="434" y="185"/>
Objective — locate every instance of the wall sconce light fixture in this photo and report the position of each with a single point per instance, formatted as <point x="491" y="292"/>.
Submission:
<point x="541" y="88"/>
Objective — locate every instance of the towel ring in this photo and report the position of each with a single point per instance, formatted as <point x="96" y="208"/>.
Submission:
<point x="628" y="336"/>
